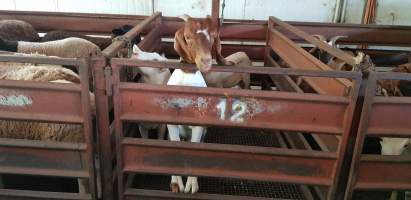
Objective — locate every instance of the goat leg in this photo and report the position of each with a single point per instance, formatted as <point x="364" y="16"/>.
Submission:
<point x="83" y="186"/>
<point x="143" y="131"/>
<point x="192" y="182"/>
<point x="176" y="184"/>
<point x="161" y="131"/>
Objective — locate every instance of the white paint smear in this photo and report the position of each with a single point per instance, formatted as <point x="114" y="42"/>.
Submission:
<point x="199" y="103"/>
<point x="15" y="100"/>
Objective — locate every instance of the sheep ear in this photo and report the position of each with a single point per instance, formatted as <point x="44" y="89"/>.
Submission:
<point x="136" y="49"/>
<point x="184" y="17"/>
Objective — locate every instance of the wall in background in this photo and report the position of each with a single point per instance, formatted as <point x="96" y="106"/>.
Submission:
<point x="290" y="10"/>
<point x="393" y="12"/>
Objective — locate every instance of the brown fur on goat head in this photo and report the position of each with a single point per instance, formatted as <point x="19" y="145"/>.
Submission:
<point x="198" y="41"/>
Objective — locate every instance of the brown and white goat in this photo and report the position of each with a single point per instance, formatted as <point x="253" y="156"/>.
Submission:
<point x="198" y="42"/>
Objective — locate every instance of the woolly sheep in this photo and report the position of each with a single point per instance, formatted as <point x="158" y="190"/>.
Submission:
<point x="43" y="131"/>
<point x="99" y="41"/>
<point x="65" y="48"/>
<point x="17" y="30"/>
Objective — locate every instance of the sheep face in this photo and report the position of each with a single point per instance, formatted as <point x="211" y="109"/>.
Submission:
<point x="394" y="146"/>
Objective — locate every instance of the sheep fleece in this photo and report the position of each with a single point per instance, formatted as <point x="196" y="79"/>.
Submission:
<point x="65" y="48"/>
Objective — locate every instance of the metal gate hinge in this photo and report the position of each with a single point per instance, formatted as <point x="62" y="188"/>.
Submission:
<point x="109" y="81"/>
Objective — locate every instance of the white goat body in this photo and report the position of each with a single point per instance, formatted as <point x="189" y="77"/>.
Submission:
<point x="180" y="78"/>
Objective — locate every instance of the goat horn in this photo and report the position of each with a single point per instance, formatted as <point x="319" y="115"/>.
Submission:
<point x="320" y="37"/>
<point x="184" y="17"/>
<point x="334" y="39"/>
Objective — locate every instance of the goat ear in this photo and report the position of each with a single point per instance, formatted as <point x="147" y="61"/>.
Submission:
<point x="180" y="45"/>
<point x="217" y="49"/>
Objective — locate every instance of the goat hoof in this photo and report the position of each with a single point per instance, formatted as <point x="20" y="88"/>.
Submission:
<point x="174" y="187"/>
<point x="191" y="185"/>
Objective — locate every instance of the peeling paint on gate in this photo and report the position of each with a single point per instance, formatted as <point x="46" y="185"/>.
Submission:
<point x="14" y="99"/>
<point x="167" y="103"/>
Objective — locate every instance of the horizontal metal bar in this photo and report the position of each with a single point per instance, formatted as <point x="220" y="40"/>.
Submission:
<point x="238" y="69"/>
<point x="41" y="60"/>
<point x="385" y="159"/>
<point x="10" y="194"/>
<point x="40" y="159"/>
<point x="159" y="158"/>
<point x="230" y="148"/>
<point x="393" y="76"/>
<point x="5" y="142"/>
<point x="40" y="86"/>
<point x="390" y="117"/>
<point x="165" y="195"/>
<point x="44" y="172"/>
<point x="384" y="173"/>
<point x="382" y="186"/>
<point x="27" y="101"/>
<point x="76" y="22"/>
<point x="266" y="110"/>
<point x="389" y="132"/>
<point x="235" y="92"/>
<point x="230" y="30"/>
<point x="50" y="118"/>
<point x="391" y="100"/>
<point x="254" y="52"/>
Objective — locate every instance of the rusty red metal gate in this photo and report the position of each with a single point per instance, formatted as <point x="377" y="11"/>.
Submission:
<point x="323" y="114"/>
<point x="381" y="117"/>
<point x="50" y="103"/>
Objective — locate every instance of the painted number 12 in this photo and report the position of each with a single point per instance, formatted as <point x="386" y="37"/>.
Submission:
<point x="238" y="110"/>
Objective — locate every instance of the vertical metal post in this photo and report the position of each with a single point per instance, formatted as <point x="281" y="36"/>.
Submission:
<point x="118" y="130"/>
<point x="366" y="109"/>
<point x="87" y="127"/>
<point x="215" y="12"/>
<point x="103" y="127"/>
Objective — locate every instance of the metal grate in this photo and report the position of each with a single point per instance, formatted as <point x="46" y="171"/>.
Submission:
<point x="224" y="186"/>
<point x="249" y="137"/>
